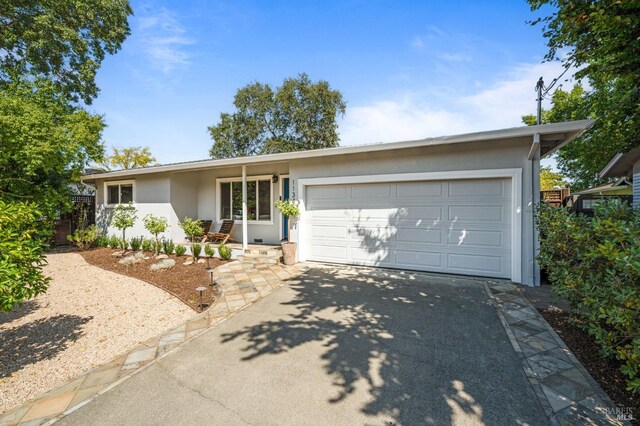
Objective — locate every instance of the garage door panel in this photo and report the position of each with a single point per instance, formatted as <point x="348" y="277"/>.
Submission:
<point x="477" y="238"/>
<point x="332" y="192"/>
<point x="372" y="191"/>
<point x="476" y="188"/>
<point x="371" y="255"/>
<point x="419" y="189"/>
<point x="417" y="235"/>
<point x="328" y="213"/>
<point x="418" y="259"/>
<point x="329" y="251"/>
<point x="329" y="231"/>
<point x="420" y="213"/>
<point x="459" y="227"/>
<point x="364" y="233"/>
<point x="475" y="262"/>
<point x="383" y="213"/>
<point x="480" y="213"/>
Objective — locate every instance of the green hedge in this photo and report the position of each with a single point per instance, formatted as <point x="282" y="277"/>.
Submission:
<point x="595" y="264"/>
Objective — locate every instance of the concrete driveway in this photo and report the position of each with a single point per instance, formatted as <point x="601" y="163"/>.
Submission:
<point x="338" y="346"/>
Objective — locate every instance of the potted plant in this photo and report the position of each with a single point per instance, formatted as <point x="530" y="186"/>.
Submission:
<point x="291" y="210"/>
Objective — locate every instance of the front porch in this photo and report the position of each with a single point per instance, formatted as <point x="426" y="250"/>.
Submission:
<point x="245" y="194"/>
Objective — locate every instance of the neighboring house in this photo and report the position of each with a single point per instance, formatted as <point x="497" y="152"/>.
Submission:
<point x="625" y="165"/>
<point x="584" y="201"/>
<point x="457" y="204"/>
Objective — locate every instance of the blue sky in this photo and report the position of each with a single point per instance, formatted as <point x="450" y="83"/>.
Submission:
<point x="407" y="69"/>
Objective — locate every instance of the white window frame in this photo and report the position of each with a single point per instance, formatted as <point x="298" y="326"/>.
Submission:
<point x="249" y="179"/>
<point x="107" y="184"/>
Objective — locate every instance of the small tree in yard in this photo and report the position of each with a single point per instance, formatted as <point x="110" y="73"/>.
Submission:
<point x="156" y="226"/>
<point x="21" y="254"/>
<point x="124" y="216"/>
<point x="193" y="229"/>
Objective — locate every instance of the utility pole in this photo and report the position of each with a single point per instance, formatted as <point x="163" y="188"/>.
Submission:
<point x="539" y="87"/>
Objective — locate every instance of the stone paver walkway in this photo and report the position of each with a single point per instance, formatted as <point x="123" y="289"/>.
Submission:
<point x="567" y="392"/>
<point x="240" y="283"/>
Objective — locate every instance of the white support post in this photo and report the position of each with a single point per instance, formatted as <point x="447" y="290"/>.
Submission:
<point x="245" y="239"/>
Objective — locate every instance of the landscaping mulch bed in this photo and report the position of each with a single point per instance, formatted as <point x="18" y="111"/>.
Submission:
<point x="181" y="280"/>
<point x="604" y="370"/>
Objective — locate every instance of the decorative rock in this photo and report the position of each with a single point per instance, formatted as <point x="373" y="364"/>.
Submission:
<point x="117" y="253"/>
<point x="163" y="264"/>
<point x="146" y="258"/>
<point x="128" y="260"/>
<point x="139" y="255"/>
<point x="201" y="261"/>
<point x="162" y="256"/>
<point x="188" y="262"/>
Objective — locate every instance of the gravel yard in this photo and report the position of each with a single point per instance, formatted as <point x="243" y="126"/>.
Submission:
<point x="87" y="317"/>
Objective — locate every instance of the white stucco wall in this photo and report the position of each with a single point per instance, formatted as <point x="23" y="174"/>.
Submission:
<point x="180" y="194"/>
<point x="152" y="194"/>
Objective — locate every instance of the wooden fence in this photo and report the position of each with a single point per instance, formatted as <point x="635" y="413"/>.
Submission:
<point x="82" y="215"/>
<point x="554" y="196"/>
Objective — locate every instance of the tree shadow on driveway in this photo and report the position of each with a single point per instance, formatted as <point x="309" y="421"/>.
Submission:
<point x="427" y="349"/>
<point x="37" y="341"/>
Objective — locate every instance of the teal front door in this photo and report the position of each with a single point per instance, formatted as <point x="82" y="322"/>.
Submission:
<point x="285" y="196"/>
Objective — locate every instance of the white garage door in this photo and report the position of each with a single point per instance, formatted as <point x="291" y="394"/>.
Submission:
<point x="459" y="226"/>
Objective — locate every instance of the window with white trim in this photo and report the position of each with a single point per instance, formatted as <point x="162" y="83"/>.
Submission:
<point x="259" y="206"/>
<point x="119" y="193"/>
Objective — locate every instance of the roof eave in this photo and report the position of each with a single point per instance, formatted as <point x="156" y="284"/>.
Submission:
<point x="621" y="165"/>
<point x="572" y="128"/>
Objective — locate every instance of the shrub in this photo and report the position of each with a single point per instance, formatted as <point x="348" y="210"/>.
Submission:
<point x="180" y="250"/>
<point x="193" y="229"/>
<point x="136" y="243"/>
<point x="168" y="246"/>
<point x="156" y="226"/>
<point x="208" y="251"/>
<point x="197" y="249"/>
<point x="224" y="251"/>
<point x="22" y="244"/>
<point x="595" y="264"/>
<point x="102" y="241"/>
<point x="114" y="241"/>
<point x="84" y="238"/>
<point x="124" y="216"/>
<point x="147" y="245"/>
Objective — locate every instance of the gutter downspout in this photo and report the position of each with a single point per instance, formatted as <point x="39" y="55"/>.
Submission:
<point x="533" y="153"/>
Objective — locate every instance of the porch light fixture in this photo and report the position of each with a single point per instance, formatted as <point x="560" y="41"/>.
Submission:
<point x="274" y="179"/>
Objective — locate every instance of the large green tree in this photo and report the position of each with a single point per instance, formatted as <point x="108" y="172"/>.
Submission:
<point x="45" y="143"/>
<point x="296" y="116"/>
<point x="601" y="39"/>
<point x="63" y="41"/>
<point x="129" y="158"/>
<point x="50" y="51"/>
<point x="551" y="180"/>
